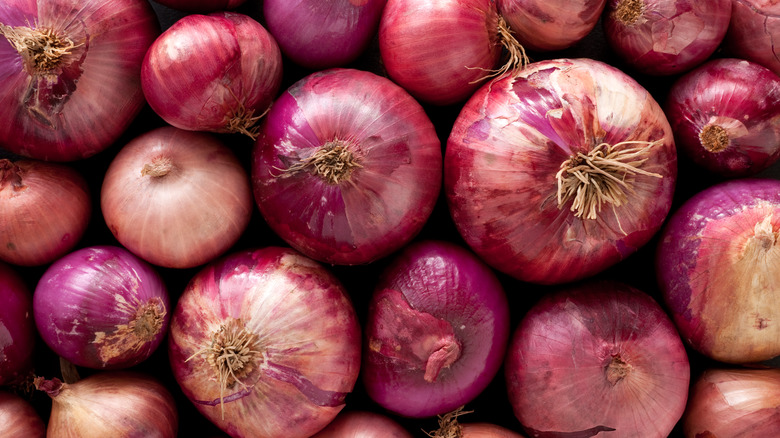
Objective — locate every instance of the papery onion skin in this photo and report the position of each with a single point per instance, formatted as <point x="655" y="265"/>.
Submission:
<point x="101" y="307"/>
<point x="298" y="319"/>
<point x="436" y="330"/>
<point x="597" y="357"/>
<point x="387" y="181"/>
<point x="736" y="403"/>
<point x="18" y="418"/>
<point x="94" y="97"/>
<point x="451" y="427"/>
<point x="725" y="115"/>
<point x="718" y="267"/>
<point x="510" y="141"/>
<point x="547" y="25"/>
<point x="665" y="37"/>
<point x="320" y="35"/>
<point x="753" y="31"/>
<point x="188" y="189"/>
<point x="363" y="424"/>
<point x="201" y="6"/>
<point x="17" y="328"/>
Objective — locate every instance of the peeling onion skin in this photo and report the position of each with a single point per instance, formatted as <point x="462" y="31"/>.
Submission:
<point x="736" y="403"/>
<point x="753" y="32"/>
<point x="17" y="328"/>
<point x="725" y="115"/>
<point x="202" y="6"/>
<point x="597" y="357"/>
<point x="505" y="150"/>
<point x="718" y="266"/>
<point x="18" y="418"/>
<point x="363" y="424"/>
<point x="305" y="331"/>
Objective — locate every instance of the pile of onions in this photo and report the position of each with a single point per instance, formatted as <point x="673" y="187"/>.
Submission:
<point x="187" y="189"/>
<point x="101" y="307"/>
<point x="44" y="208"/>
<point x="560" y="171"/>
<point x="753" y="31"/>
<point x="718" y="266"/>
<point x="725" y="115"/>
<point x="597" y="357"/>
<point x="18" y="418"/>
<point x="217" y="73"/>
<point x="17" y="328"/>
<point x="450" y="427"/>
<point x="664" y="37"/>
<point x="363" y="424"/>
<point x="347" y="168"/>
<point x="266" y="343"/>
<point x="201" y="5"/>
<point x="70" y="72"/>
<point x="436" y="330"/>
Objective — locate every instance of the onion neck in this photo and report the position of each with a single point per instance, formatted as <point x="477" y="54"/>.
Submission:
<point x="52" y="387"/>
<point x="334" y="162"/>
<point x="617" y="369"/>
<point x="449" y="427"/>
<point x="42" y="50"/>
<point x="714" y="138"/>
<point x="764" y="239"/>
<point x="516" y="57"/>
<point x="11" y="175"/>
<point x="628" y="12"/>
<point x="158" y="167"/>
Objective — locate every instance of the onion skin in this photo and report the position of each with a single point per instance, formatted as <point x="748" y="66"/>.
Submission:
<point x="391" y="151"/>
<point x="718" y="266"/>
<point x="297" y="317"/>
<point x="597" y="357"/>
<point x="486" y="430"/>
<point x="500" y="177"/>
<point x="363" y="424"/>
<point x="31" y="191"/>
<point x="201" y="6"/>
<point x="725" y="115"/>
<point x="18" y="418"/>
<point x="752" y="32"/>
<point x="85" y="104"/>
<point x="17" y="328"/>
<point x="188" y="189"/>
<point x="547" y="25"/>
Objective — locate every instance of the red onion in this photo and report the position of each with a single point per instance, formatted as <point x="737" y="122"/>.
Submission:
<point x="737" y="403"/>
<point x="436" y="330"/>
<point x="597" y="357"/>
<point x="348" y="167"/>
<point x="320" y="34"/>
<point x="201" y="5"/>
<point x="665" y="37"/>
<point x="363" y="424"/>
<point x="725" y="116"/>
<point x="718" y="265"/>
<point x="18" y="418"/>
<point x="77" y="96"/>
<point x="17" y="328"/>
<point x="110" y="404"/>
<point x="450" y="427"/>
<point x="520" y="153"/>
<point x="266" y="343"/>
<point x="101" y="307"/>
<point x="189" y="191"/>
<point x="217" y="73"/>
<point x="753" y="31"/>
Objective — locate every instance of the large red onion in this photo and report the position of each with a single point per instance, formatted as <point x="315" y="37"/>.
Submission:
<point x="77" y="96"/>
<point x="363" y="424"/>
<point x="718" y="265"/>
<point x="725" y="115"/>
<point x="18" y="418"/>
<point x="347" y="168"/>
<point x="436" y="330"/>
<point x="753" y="32"/>
<point x="201" y="6"/>
<point x="17" y="328"/>
<point x="266" y="343"/>
<point x="189" y="191"/>
<point x="597" y="357"/>
<point x="520" y="153"/>
<point x="101" y="307"/>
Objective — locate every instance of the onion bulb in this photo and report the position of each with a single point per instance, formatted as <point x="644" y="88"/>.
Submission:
<point x="18" y="418"/>
<point x="363" y="424"/>
<point x="753" y="31"/>
<point x="17" y="328"/>
<point x="450" y="427"/>
<point x="201" y="5"/>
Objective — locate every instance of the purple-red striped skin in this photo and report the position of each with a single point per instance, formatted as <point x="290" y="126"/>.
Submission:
<point x="547" y="25"/>
<point x="17" y="328"/>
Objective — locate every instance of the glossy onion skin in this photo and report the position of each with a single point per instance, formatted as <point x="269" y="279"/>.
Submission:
<point x="718" y="266"/>
<point x="741" y="97"/>
<point x="753" y="31"/>
<point x="201" y="6"/>
<point x="308" y="334"/>
<point x="363" y="424"/>
<point x="93" y="101"/>
<point x="546" y="25"/>
<point x="556" y="366"/>
<point x="383" y="204"/>
<point x="500" y="177"/>
<point x="18" y="418"/>
<point x="17" y="327"/>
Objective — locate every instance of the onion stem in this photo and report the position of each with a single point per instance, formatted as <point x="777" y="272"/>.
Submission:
<point x="243" y="120"/>
<point x="617" y="370"/>
<point x="42" y="50"/>
<point x="448" y="425"/>
<point x="516" y="56"/>
<point x="333" y="162"/>
<point x="628" y="12"/>
<point x="714" y="138"/>
<point x="11" y="174"/>
<point x="158" y="168"/>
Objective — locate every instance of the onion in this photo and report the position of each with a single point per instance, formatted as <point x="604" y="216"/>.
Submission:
<point x="436" y="330"/>
<point x="348" y="167"/>
<point x="665" y="37"/>
<point x="718" y="265"/>
<point x="44" y="208"/>
<point x="189" y="191"/>
<point x="116" y="404"/>
<point x="18" y="418"/>
<point x="734" y="403"/>
<point x="101" y="307"/>
<point x="74" y="98"/>
<point x="217" y="73"/>
<point x="266" y="343"/>
<point x="597" y="357"/>
<point x="201" y="5"/>
<point x="17" y="328"/>
<point x="521" y="150"/>
<point x="753" y="31"/>
<point x="363" y="424"/>
<point x="320" y="34"/>
<point x="450" y="427"/>
<point x="725" y="116"/>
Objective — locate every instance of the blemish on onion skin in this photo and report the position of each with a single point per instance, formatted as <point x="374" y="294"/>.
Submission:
<point x="11" y="246"/>
<point x="761" y="323"/>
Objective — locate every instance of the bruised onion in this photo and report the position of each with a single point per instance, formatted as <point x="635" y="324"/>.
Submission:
<point x="363" y="424"/>
<point x="18" y="418"/>
<point x="17" y="328"/>
<point x="753" y="31"/>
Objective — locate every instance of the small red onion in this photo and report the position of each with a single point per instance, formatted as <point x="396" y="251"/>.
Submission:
<point x="201" y="6"/>
<point x="101" y="307"/>
<point x="82" y="94"/>
<point x="18" y="418"/>
<point x="17" y="328"/>
<point x="450" y="427"/>
<point x="189" y="191"/>
<point x="266" y="344"/>
<point x="597" y="357"/>
<point x="753" y="31"/>
<point x="217" y="72"/>
<point x="348" y="167"/>
<point x="363" y="424"/>
<point x="725" y="115"/>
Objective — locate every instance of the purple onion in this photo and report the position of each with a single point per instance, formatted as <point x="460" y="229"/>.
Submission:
<point x="17" y="328"/>
<point x="18" y="418"/>
<point x="753" y="32"/>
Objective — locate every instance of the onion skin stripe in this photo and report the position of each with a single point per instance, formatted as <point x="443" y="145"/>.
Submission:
<point x="587" y="433"/>
<point x="230" y="398"/>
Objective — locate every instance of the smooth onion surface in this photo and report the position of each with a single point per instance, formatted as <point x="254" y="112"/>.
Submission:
<point x="201" y="6"/>
<point x="363" y="424"/>
<point x="78" y="100"/>
<point x="347" y="168"/>
<point x="519" y="150"/>
<point x="17" y="328"/>
<point x="18" y="418"/>
<point x="753" y="31"/>
<point x="546" y="25"/>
